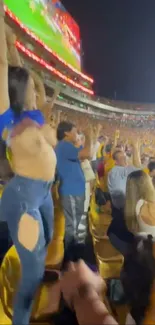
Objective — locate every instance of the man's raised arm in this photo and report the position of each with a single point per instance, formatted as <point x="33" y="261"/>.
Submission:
<point x="4" y="95"/>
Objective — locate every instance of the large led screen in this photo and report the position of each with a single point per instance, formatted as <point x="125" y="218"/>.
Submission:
<point x="52" y="24"/>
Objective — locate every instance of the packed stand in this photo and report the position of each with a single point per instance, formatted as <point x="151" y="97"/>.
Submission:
<point x="71" y="189"/>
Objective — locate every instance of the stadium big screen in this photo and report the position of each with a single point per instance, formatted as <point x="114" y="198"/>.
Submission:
<point x="52" y="24"/>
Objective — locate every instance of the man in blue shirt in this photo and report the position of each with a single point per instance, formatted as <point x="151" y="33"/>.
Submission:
<point x="71" y="178"/>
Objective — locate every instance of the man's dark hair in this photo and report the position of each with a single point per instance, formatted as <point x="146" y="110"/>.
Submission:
<point x="119" y="146"/>
<point x="151" y="159"/>
<point x="18" y="81"/>
<point x="108" y="148"/>
<point x="114" y="156"/>
<point x="64" y="127"/>
<point x="151" y="166"/>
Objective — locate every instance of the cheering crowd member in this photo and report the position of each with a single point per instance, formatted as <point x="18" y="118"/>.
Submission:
<point x="71" y="178"/>
<point x="26" y="202"/>
<point x="26" y="206"/>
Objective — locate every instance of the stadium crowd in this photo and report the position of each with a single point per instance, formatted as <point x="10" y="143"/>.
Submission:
<point x="77" y="223"/>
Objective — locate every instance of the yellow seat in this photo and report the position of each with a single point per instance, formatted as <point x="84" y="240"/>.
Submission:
<point x="48" y="295"/>
<point x="150" y="313"/>
<point x="120" y="313"/>
<point x="100" y="230"/>
<point x="55" y="252"/>
<point x="9" y="156"/>
<point x="94" y="214"/>
<point x="110" y="261"/>
<point x="1" y="190"/>
<point x="99" y="219"/>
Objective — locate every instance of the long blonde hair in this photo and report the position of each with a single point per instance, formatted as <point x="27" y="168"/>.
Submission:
<point x="139" y="186"/>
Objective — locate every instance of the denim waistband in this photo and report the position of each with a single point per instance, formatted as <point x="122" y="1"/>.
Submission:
<point x="33" y="183"/>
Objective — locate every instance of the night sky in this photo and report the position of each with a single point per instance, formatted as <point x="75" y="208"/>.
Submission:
<point x="119" y="46"/>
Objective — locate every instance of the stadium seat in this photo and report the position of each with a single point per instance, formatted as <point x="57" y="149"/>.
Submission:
<point x="1" y="191"/>
<point x="109" y="259"/>
<point x="48" y="295"/>
<point x="99" y="218"/>
<point x="55" y="253"/>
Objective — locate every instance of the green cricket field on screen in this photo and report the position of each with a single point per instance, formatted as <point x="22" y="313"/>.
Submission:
<point x="52" y="24"/>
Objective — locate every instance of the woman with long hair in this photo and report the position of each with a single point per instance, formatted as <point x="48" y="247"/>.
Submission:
<point x="140" y="204"/>
<point x="26" y="203"/>
<point x="138" y="279"/>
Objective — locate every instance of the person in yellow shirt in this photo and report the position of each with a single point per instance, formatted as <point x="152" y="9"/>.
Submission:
<point x="109" y="162"/>
<point x="5" y="168"/>
<point x="151" y="169"/>
<point x="5" y="175"/>
<point x="99" y="154"/>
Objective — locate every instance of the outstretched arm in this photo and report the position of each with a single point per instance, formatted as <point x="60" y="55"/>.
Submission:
<point x="41" y="94"/>
<point x="58" y="118"/>
<point x="116" y="137"/>
<point x="4" y="95"/>
<point x="86" y="152"/>
<point x="47" y="107"/>
<point x="136" y="153"/>
<point x="47" y="130"/>
<point x="14" y="57"/>
<point x="96" y="132"/>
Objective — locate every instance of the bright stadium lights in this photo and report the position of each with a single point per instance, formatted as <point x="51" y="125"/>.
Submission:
<point x="37" y="40"/>
<point x="51" y="69"/>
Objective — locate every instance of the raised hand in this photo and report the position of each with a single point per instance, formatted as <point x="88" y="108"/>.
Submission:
<point x="48" y="106"/>
<point x="78" y="275"/>
<point x="40" y="90"/>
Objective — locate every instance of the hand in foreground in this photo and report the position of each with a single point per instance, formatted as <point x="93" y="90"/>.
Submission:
<point x="79" y="274"/>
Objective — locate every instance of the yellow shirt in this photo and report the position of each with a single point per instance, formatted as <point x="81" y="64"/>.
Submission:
<point x="9" y="155"/>
<point x="109" y="164"/>
<point x="146" y="170"/>
<point x="1" y="190"/>
<point x="100" y="151"/>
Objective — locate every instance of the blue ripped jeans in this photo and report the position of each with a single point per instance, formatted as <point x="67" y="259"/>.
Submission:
<point x="33" y="197"/>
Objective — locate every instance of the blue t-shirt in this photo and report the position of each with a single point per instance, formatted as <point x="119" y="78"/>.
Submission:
<point x="69" y="171"/>
<point x="8" y="119"/>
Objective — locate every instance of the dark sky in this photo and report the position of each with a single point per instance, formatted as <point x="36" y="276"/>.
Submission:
<point x="119" y="46"/>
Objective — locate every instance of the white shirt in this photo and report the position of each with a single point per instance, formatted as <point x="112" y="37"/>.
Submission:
<point x="144" y="228"/>
<point x="117" y="179"/>
<point x="95" y="150"/>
